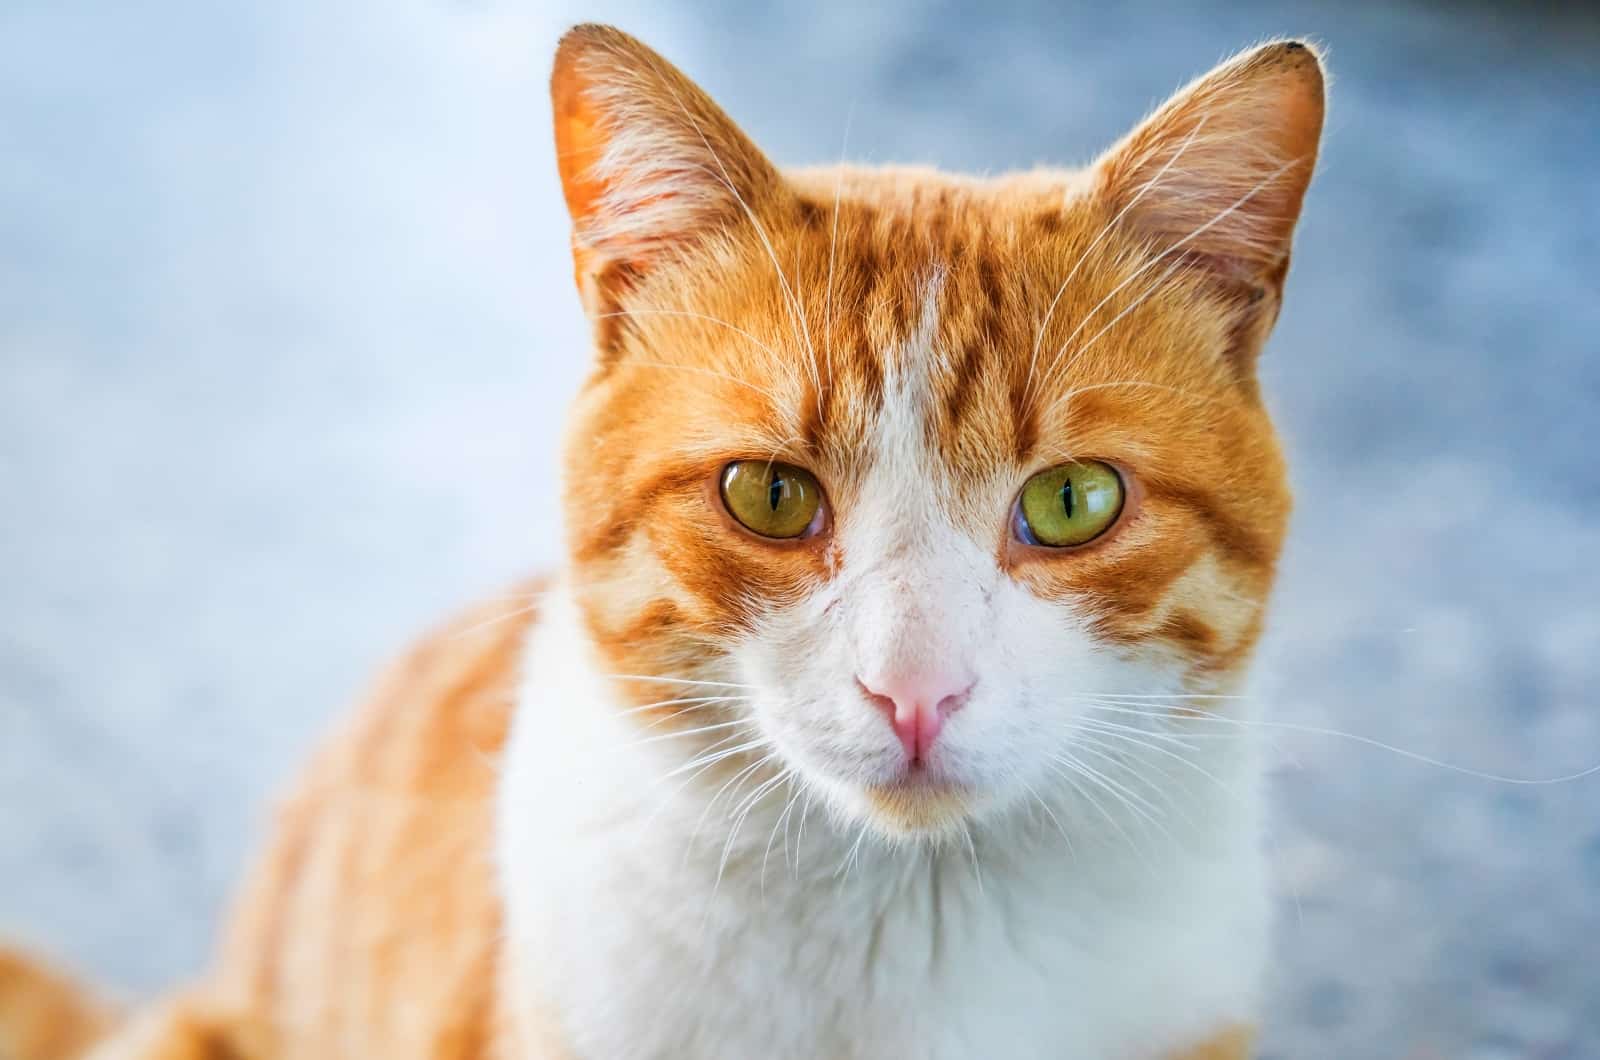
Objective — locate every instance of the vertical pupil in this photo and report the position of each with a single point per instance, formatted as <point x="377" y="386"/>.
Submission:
<point x="775" y="492"/>
<point x="1066" y="497"/>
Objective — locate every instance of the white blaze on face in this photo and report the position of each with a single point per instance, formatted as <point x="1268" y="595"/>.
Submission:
<point x="918" y="586"/>
<point x="920" y="603"/>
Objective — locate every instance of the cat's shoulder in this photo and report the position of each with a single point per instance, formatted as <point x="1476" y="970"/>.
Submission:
<point x="437" y="717"/>
<point x="377" y="874"/>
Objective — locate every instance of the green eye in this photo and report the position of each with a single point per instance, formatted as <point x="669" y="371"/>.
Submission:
<point x="773" y="500"/>
<point x="1068" y="505"/>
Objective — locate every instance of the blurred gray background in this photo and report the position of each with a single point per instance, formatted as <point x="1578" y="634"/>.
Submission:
<point x="287" y="330"/>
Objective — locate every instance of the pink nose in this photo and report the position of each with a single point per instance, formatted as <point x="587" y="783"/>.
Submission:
<point x="917" y="704"/>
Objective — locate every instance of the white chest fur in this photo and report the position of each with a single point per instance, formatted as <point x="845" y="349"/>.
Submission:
<point x="632" y="916"/>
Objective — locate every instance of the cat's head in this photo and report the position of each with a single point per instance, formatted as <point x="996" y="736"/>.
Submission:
<point x="939" y="479"/>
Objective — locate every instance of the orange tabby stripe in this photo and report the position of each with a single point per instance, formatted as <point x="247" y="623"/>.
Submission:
<point x="371" y="927"/>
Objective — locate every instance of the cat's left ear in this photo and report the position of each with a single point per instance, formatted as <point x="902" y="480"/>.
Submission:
<point x="650" y="166"/>
<point x="1216" y="176"/>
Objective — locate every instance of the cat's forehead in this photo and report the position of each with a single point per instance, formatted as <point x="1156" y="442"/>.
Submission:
<point x="999" y="324"/>
<point x="984" y="305"/>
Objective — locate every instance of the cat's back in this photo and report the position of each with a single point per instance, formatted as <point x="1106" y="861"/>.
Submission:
<point x="371" y="925"/>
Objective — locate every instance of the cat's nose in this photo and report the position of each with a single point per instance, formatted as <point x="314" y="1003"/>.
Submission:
<point x="917" y="702"/>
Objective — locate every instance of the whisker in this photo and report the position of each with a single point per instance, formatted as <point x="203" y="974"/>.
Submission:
<point x="1189" y="741"/>
<point x="1159" y="750"/>
<point x="797" y="313"/>
<point x="1108" y="228"/>
<point x="1045" y="806"/>
<point x="1158" y="695"/>
<point x="1154" y="287"/>
<point x="694" y="702"/>
<point x="714" y="759"/>
<point x="1118" y="756"/>
<point x="777" y="449"/>
<point x="800" y="837"/>
<point x="685" y="732"/>
<point x="676" y="680"/>
<point x="782" y="821"/>
<point x="1368" y="741"/>
<point x="737" y="779"/>
<point x="972" y="852"/>
<point x="1168" y="252"/>
<point x="690" y="314"/>
<point x="1088" y="796"/>
<point x="833" y="240"/>
<point x="712" y="372"/>
<point x="1075" y="391"/>
<point x="1098" y="737"/>
<point x="1132" y="799"/>
<point x="849" y="862"/>
<point x="743" y="812"/>
<point x="699" y="760"/>
<point x="478" y="627"/>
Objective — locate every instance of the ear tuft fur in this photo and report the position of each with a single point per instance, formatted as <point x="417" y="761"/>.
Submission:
<point x="648" y="162"/>
<point x="1219" y="171"/>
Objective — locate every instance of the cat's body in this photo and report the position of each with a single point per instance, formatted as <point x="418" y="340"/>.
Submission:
<point x="896" y="759"/>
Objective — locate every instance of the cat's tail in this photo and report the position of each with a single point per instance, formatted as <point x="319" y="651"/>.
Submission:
<point x="44" y="1015"/>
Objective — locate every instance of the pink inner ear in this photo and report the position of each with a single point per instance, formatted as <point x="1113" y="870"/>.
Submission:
<point x="607" y="201"/>
<point x="1220" y="171"/>
<point x="648" y="162"/>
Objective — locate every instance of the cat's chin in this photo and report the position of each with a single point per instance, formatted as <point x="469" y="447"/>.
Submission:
<point x="917" y="805"/>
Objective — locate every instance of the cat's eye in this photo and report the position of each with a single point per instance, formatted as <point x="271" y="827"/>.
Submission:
<point x="772" y="499"/>
<point x="1068" y="505"/>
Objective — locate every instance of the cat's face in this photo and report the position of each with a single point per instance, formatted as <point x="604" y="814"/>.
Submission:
<point x="933" y="477"/>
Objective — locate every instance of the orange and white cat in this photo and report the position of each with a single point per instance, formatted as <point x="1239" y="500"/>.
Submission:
<point x="920" y="528"/>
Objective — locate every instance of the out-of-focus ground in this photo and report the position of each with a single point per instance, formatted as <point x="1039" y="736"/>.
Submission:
<point x="286" y="331"/>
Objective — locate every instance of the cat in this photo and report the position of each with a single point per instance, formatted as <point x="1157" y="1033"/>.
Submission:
<point x="919" y="531"/>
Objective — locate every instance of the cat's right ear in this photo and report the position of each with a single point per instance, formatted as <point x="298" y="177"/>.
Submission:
<point x="649" y="164"/>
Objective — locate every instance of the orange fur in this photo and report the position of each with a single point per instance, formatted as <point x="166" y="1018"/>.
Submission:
<point x="371" y="927"/>
<point x="43" y="1014"/>
<point x="387" y="843"/>
<point x="1233" y="1044"/>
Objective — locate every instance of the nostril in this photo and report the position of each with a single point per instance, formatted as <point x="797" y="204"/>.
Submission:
<point x="952" y="703"/>
<point x="916" y="706"/>
<point x="882" y="702"/>
<point x="946" y="691"/>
